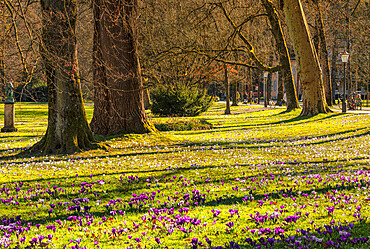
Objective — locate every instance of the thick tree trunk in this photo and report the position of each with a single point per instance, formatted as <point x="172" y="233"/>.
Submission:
<point x="227" y="90"/>
<point x="308" y="63"/>
<point x="286" y="72"/>
<point x="323" y="52"/>
<point x="118" y="100"/>
<point x="68" y="130"/>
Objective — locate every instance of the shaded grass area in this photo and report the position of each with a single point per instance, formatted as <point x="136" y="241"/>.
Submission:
<point x="166" y="186"/>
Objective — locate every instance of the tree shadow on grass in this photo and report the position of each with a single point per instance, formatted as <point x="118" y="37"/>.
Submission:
<point x="296" y="120"/>
<point x="209" y="146"/>
<point x="17" y="136"/>
<point x="366" y="131"/>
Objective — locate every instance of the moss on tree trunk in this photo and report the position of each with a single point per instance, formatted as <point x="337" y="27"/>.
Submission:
<point x="68" y="130"/>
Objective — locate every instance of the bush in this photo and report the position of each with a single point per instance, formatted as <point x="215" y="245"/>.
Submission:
<point x="179" y="101"/>
<point x="35" y="91"/>
<point x="176" y="124"/>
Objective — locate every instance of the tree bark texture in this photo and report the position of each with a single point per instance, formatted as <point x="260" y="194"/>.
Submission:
<point x="118" y="92"/>
<point x="286" y="71"/>
<point x="227" y="90"/>
<point x="308" y="63"/>
<point x="68" y="130"/>
<point x="323" y="52"/>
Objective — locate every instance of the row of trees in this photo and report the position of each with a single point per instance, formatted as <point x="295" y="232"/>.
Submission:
<point x="188" y="42"/>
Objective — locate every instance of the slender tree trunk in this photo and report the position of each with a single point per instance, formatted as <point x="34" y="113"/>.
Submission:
<point x="323" y="52"/>
<point x="235" y="93"/>
<point x="147" y="100"/>
<point x="298" y="86"/>
<point x="269" y="81"/>
<point x="118" y="100"/>
<point x="2" y="45"/>
<point x="269" y="87"/>
<point x="334" y="67"/>
<point x="286" y="72"/>
<point x="227" y="89"/>
<point x="250" y="86"/>
<point x="68" y="130"/>
<point x="280" y="94"/>
<point x="2" y="67"/>
<point x="308" y="63"/>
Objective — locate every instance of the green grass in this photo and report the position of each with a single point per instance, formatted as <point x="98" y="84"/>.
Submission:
<point x="258" y="162"/>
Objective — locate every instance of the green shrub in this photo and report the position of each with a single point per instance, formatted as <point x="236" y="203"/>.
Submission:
<point x="179" y="101"/>
<point x="34" y="91"/>
<point x="178" y="124"/>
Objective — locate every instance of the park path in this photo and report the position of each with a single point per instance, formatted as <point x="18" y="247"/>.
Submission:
<point x="365" y="110"/>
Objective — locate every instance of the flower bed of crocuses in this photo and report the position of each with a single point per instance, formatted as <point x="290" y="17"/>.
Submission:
<point x="258" y="179"/>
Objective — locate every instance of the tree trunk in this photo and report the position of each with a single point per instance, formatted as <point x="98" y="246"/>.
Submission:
<point x="269" y="87"/>
<point x="280" y="94"/>
<point x="147" y="101"/>
<point x="334" y="67"/>
<point x="269" y="81"/>
<point x="2" y="45"/>
<point x="2" y="68"/>
<point x="68" y="130"/>
<point x="235" y="93"/>
<point x="286" y="72"/>
<point x="118" y="90"/>
<point x="227" y="89"/>
<point x="308" y="63"/>
<point x="250" y="86"/>
<point x="323" y="52"/>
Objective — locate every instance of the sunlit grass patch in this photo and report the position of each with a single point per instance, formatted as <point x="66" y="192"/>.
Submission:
<point x="254" y="179"/>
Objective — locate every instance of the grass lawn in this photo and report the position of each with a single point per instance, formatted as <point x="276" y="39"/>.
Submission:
<point x="258" y="179"/>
